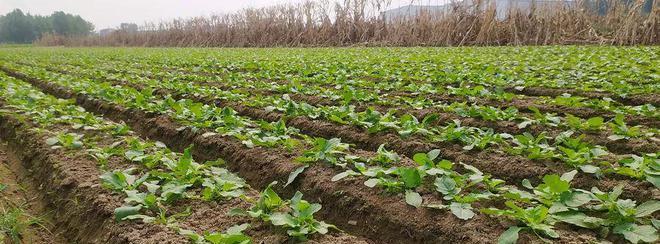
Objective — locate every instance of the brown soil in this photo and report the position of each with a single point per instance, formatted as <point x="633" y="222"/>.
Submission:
<point x="524" y="103"/>
<point x="68" y="185"/>
<point x="501" y="165"/>
<point x="632" y="100"/>
<point x="20" y="193"/>
<point x="205" y="216"/>
<point x="636" y="146"/>
<point x="521" y="103"/>
<point x="362" y="211"/>
<point x="498" y="164"/>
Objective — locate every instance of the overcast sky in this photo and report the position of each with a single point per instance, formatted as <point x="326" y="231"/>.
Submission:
<point x="110" y="13"/>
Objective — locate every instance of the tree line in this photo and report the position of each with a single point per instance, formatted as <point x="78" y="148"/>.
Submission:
<point x="19" y="27"/>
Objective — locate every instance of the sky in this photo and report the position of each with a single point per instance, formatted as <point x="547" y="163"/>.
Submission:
<point x="110" y="13"/>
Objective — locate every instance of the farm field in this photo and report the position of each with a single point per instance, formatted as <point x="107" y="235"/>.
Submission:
<point x="337" y="145"/>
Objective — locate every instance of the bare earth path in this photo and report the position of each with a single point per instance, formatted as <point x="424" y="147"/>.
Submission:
<point x="20" y="197"/>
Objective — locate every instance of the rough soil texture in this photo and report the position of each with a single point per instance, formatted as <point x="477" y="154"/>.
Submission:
<point x="513" y="169"/>
<point x="632" y="100"/>
<point x="347" y="203"/>
<point x="524" y="103"/>
<point x="21" y="193"/>
<point x="637" y="146"/>
<point x="78" y="171"/>
<point x="80" y="208"/>
<point x="501" y="165"/>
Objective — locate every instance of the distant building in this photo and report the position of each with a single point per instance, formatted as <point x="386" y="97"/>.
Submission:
<point x="128" y="27"/>
<point x="603" y="6"/>
<point x="105" y="32"/>
<point x="412" y="11"/>
<point x="502" y="7"/>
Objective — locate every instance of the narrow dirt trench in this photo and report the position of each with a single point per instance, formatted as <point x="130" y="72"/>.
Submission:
<point x="24" y="216"/>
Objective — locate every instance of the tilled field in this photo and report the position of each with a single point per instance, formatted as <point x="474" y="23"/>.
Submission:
<point x="415" y="145"/>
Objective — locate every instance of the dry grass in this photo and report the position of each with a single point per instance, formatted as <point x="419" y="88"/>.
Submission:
<point x="357" y="22"/>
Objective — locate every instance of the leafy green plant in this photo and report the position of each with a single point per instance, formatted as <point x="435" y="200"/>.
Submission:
<point x="625" y="217"/>
<point x="534" y="219"/>
<point x="533" y="147"/>
<point x="222" y="184"/>
<point x="646" y="167"/>
<point x="295" y="215"/>
<point x="623" y="131"/>
<point x="103" y="155"/>
<point x="544" y="119"/>
<point x="324" y="150"/>
<point x="384" y="157"/>
<point x="14" y="222"/>
<point x="233" y="235"/>
<point x="66" y="140"/>
<point x="120" y="180"/>
<point x="591" y="124"/>
<point x="409" y="125"/>
<point x="576" y="152"/>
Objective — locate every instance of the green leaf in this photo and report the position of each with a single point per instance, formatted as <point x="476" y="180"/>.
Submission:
<point x="556" y="184"/>
<point x="595" y="122"/>
<point x="269" y="199"/>
<point x="413" y="199"/>
<point x="654" y="179"/>
<point x="433" y="154"/>
<point x="238" y="212"/>
<point x="568" y="176"/>
<point x="461" y="210"/>
<point x="371" y="182"/>
<point x="116" y="180"/>
<point x="527" y="184"/>
<point x="635" y="233"/>
<point x="342" y="175"/>
<point x="144" y="218"/>
<point x="294" y="174"/>
<point x="616" y="137"/>
<point x="510" y="236"/>
<point x="580" y="219"/>
<point x="123" y="212"/>
<point x="589" y="169"/>
<point x="280" y="218"/>
<point x="237" y="229"/>
<point x="445" y="185"/>
<point x="132" y="154"/>
<point x="52" y="141"/>
<point x="410" y="177"/>
<point x="647" y="208"/>
<point x="445" y="164"/>
<point x="575" y="199"/>
<point x="422" y="159"/>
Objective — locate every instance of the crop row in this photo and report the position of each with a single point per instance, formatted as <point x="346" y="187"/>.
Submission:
<point x="331" y="151"/>
<point x="534" y="148"/>
<point x="417" y="95"/>
<point x="160" y="186"/>
<point x="509" y="120"/>
<point x="617" y="70"/>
